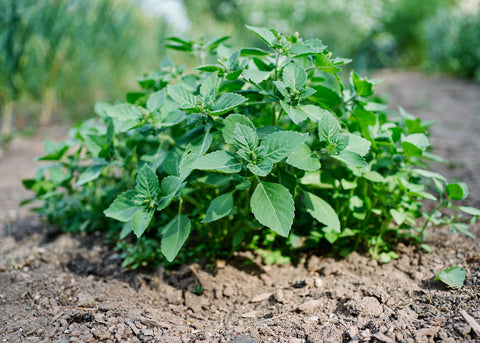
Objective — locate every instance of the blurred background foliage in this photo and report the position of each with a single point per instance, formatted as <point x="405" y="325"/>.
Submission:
<point x="57" y="57"/>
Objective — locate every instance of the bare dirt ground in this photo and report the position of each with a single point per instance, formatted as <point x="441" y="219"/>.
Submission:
<point x="58" y="287"/>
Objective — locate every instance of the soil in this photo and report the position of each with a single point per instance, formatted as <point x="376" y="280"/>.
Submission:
<point x="57" y="287"/>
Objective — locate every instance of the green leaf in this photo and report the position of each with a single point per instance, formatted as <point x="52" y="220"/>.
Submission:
<point x="272" y="205"/>
<point x="256" y="76"/>
<point x="469" y="210"/>
<point x="192" y="153"/>
<point x="244" y="137"/>
<point x="328" y="127"/>
<point x="220" y="207"/>
<point x="429" y="174"/>
<point x="457" y="191"/>
<point x="373" y="176"/>
<point x="322" y="211"/>
<point x="175" y="233"/>
<point x="227" y="102"/>
<point x="155" y="100"/>
<point x="398" y="216"/>
<point x="302" y="159"/>
<point x="362" y="85"/>
<point x="230" y="123"/>
<point x="147" y="182"/>
<point x="122" y="208"/>
<point x="264" y="34"/>
<point x="261" y="169"/>
<point x="294" y="76"/>
<point x="54" y="150"/>
<point x="315" y="113"/>
<point x="209" y="86"/>
<point x="140" y="221"/>
<point x="58" y="175"/>
<point x="219" y="161"/>
<point x="324" y="64"/>
<point x="358" y="145"/>
<point x="253" y="52"/>
<point x="294" y="112"/>
<point x="92" y="172"/>
<point x="123" y="112"/>
<point x="169" y="188"/>
<point x="352" y="159"/>
<point x="281" y="144"/>
<point x="307" y="47"/>
<point x="415" y="144"/>
<point x="182" y="97"/>
<point x="366" y="117"/>
<point x="167" y="119"/>
<point x="453" y="277"/>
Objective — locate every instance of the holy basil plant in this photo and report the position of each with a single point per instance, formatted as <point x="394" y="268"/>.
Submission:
<point x="259" y="148"/>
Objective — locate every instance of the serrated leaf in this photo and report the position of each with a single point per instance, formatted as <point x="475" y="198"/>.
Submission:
<point x="352" y="159"/>
<point x="264" y="34"/>
<point x="123" y="112"/>
<point x="92" y="172"/>
<point x="229" y="126"/>
<point x="322" y="211"/>
<point x="122" y="208"/>
<point x="261" y="169"/>
<point x="328" y="127"/>
<point x="140" y="221"/>
<point x="340" y="141"/>
<point x="208" y="87"/>
<point x="244" y="137"/>
<point x="294" y="76"/>
<point x="147" y="182"/>
<point x="302" y="159"/>
<point x="227" y="102"/>
<point x="373" y="176"/>
<point x="192" y="153"/>
<point x="415" y="144"/>
<point x="281" y="144"/>
<point x="156" y="100"/>
<point x="219" y="161"/>
<point x="174" y="236"/>
<point x="453" y="277"/>
<point x="272" y="205"/>
<point x="182" y="96"/>
<point x="457" y="191"/>
<point x="282" y="88"/>
<point x="295" y="113"/>
<point x="170" y="118"/>
<point x="324" y="64"/>
<point x="256" y="76"/>
<point x="366" y="117"/>
<point x="362" y="86"/>
<point x="358" y="145"/>
<point x="308" y="47"/>
<point x="169" y="188"/>
<point x="219" y="207"/>
<point x="315" y="113"/>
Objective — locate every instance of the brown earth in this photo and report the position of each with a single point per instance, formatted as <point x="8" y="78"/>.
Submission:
<point x="58" y="287"/>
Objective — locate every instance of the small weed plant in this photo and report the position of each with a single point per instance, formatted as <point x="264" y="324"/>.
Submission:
<point x="264" y="149"/>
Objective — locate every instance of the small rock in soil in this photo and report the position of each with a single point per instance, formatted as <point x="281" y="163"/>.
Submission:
<point x="367" y="306"/>
<point x="242" y="338"/>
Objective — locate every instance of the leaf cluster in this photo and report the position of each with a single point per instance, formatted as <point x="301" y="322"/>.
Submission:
<point x="264" y="149"/>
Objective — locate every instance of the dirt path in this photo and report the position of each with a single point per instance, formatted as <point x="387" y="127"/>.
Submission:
<point x="67" y="288"/>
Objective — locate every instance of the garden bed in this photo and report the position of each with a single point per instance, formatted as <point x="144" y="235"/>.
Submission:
<point x="58" y="287"/>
